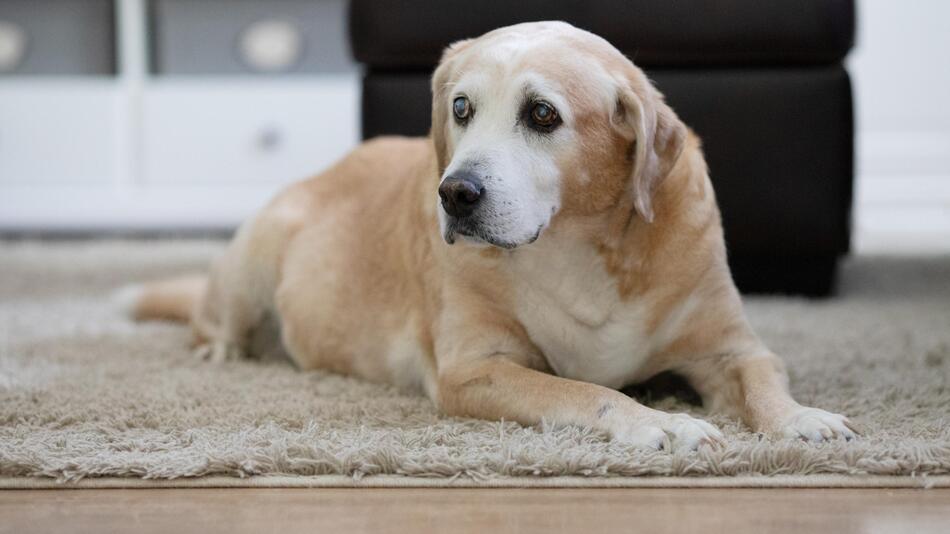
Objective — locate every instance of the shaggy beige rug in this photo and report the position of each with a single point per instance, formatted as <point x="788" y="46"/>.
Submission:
<point x="86" y="394"/>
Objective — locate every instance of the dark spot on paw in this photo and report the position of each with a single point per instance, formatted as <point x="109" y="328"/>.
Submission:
<point x="602" y="411"/>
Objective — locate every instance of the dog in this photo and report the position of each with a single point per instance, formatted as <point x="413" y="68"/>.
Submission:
<point x="555" y="238"/>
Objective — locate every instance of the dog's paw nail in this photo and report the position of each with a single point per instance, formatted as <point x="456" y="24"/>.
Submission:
<point x="816" y="426"/>
<point x="674" y="432"/>
<point x="217" y="352"/>
<point x="690" y="433"/>
<point x="646" y="437"/>
<point x="202" y="352"/>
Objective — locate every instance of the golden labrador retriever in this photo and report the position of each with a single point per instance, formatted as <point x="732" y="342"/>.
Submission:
<point x="556" y="237"/>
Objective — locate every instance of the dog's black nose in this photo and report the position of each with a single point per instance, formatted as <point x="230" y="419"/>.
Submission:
<point x="460" y="194"/>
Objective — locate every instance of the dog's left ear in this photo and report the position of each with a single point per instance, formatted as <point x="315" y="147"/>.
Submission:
<point x="440" y="102"/>
<point x="658" y="135"/>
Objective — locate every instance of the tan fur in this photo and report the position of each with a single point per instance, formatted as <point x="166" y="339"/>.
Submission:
<point x="628" y="279"/>
<point x="173" y="300"/>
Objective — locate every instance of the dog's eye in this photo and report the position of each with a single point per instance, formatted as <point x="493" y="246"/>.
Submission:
<point x="543" y="115"/>
<point x="461" y="108"/>
<point x="538" y="115"/>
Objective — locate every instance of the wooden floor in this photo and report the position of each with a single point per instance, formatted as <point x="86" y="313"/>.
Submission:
<point x="493" y="511"/>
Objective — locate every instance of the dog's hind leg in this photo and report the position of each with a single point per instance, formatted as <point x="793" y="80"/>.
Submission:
<point x="241" y="285"/>
<point x="234" y="304"/>
<point x="225" y="319"/>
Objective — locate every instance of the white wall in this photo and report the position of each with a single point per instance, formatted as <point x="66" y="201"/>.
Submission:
<point x="901" y="73"/>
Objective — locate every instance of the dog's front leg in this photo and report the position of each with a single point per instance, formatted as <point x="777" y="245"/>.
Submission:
<point x="754" y="387"/>
<point x="496" y="387"/>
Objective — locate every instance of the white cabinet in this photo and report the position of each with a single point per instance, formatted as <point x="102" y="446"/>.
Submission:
<point x="57" y="132"/>
<point x="178" y="144"/>
<point x="246" y="132"/>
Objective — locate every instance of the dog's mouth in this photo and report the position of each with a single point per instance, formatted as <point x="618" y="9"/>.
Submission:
<point x="476" y="235"/>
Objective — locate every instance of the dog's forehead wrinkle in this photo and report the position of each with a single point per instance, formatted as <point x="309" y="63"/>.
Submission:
<point x="537" y="85"/>
<point x="470" y="82"/>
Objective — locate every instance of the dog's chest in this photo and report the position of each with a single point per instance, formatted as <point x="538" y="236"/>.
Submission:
<point x="571" y="308"/>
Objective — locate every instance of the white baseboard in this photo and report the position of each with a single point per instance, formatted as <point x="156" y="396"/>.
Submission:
<point x="83" y="209"/>
<point x="902" y="192"/>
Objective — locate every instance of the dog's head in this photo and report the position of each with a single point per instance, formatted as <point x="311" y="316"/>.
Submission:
<point x="541" y="119"/>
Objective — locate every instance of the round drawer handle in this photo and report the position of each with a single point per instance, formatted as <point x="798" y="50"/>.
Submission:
<point x="269" y="139"/>
<point x="12" y="46"/>
<point x="271" y="45"/>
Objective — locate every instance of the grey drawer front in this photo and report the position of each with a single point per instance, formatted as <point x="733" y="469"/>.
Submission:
<point x="195" y="37"/>
<point x="63" y="37"/>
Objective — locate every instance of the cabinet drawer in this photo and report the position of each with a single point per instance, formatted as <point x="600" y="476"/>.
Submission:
<point x="58" y="37"/>
<point x="244" y="132"/>
<point x="57" y="133"/>
<point x="249" y="36"/>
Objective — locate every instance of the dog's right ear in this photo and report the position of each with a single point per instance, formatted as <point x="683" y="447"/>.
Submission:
<point x="659" y="137"/>
<point x="440" y="101"/>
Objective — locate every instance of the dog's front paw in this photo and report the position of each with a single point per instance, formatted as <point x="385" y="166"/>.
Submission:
<point x="671" y="432"/>
<point x="691" y="433"/>
<point x="812" y="424"/>
<point x="218" y="351"/>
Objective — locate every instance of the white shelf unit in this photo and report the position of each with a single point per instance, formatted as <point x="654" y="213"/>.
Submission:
<point x="138" y="151"/>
